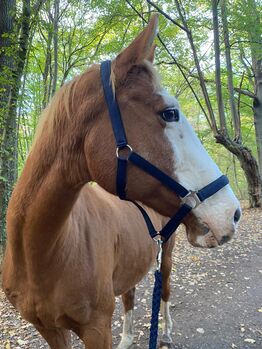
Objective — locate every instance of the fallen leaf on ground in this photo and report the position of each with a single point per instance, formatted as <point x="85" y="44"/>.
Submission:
<point x="7" y="345"/>
<point x="200" y="330"/>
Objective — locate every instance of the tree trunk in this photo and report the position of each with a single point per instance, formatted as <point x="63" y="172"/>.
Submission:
<point x="244" y="155"/>
<point x="220" y="102"/>
<point x="7" y="13"/>
<point x="47" y="69"/>
<point x="254" y="30"/>
<point x="8" y="173"/>
<point x="55" y="42"/>
<point x="230" y="85"/>
<point x="257" y="107"/>
<point x="249" y="166"/>
<point x="198" y="67"/>
<point x="7" y="19"/>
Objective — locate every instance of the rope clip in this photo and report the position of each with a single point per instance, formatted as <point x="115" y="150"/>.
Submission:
<point x="159" y="242"/>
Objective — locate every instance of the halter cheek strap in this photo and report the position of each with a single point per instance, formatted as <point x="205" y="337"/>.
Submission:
<point x="189" y="199"/>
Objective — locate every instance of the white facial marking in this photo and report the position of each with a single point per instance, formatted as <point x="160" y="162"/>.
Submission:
<point x="194" y="169"/>
<point x="167" y="322"/>
<point x="127" y="334"/>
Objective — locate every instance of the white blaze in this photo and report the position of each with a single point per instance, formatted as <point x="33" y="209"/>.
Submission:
<point x="194" y="169"/>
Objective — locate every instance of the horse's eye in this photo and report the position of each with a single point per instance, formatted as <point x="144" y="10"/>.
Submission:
<point x="170" y="114"/>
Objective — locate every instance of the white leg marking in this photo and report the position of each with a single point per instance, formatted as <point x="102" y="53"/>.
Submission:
<point x="167" y="322"/>
<point x="127" y="334"/>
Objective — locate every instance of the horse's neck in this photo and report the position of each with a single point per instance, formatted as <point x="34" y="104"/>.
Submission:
<point x="41" y="202"/>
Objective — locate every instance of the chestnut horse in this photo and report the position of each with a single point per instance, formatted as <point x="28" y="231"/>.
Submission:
<point x="72" y="247"/>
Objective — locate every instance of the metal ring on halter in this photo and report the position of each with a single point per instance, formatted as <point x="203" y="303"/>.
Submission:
<point x="118" y="149"/>
<point x="191" y="199"/>
<point x="157" y="237"/>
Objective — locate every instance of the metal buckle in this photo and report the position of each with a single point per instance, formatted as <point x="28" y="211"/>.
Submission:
<point x="191" y="199"/>
<point x="118" y="149"/>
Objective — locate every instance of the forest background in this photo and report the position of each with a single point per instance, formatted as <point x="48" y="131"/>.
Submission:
<point x="209" y="55"/>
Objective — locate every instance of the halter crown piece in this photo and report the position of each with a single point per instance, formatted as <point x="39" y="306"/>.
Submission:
<point x="190" y="199"/>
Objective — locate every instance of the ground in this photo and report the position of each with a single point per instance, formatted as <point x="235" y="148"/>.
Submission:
<point x="216" y="300"/>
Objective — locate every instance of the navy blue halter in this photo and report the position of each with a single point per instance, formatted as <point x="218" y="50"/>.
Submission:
<point x="190" y="199"/>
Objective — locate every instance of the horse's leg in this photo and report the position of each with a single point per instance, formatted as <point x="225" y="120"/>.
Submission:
<point x="97" y="333"/>
<point x="56" y="338"/>
<point x="166" y="268"/>
<point x="98" y="336"/>
<point x="127" y="334"/>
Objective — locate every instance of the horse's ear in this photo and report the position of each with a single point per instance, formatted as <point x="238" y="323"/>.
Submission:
<point x="151" y="55"/>
<point x="141" y="48"/>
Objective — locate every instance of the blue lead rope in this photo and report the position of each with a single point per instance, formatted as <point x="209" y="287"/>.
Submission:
<point x="156" y="301"/>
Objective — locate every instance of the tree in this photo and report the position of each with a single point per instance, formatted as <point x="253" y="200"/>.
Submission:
<point x="46" y="42"/>
<point x="219" y="127"/>
<point x="248" y="39"/>
<point x="13" y="57"/>
<point x="7" y="62"/>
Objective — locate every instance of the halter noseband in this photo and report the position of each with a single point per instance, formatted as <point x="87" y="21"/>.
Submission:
<point x="190" y="199"/>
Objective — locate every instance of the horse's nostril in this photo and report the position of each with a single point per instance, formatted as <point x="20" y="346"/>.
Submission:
<point x="237" y="215"/>
<point x="224" y="239"/>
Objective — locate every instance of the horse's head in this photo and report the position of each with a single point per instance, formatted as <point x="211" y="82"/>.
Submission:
<point x="157" y="129"/>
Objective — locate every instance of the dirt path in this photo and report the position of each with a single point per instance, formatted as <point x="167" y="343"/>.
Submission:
<point x="216" y="298"/>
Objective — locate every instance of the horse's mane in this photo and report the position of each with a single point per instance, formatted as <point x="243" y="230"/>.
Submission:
<point x="63" y="125"/>
<point x="51" y="114"/>
<point x="79" y="100"/>
<point x="64" y="105"/>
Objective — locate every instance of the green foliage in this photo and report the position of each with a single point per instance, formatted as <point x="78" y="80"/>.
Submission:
<point x="91" y="31"/>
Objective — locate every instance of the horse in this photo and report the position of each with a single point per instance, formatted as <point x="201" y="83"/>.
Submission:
<point x="72" y="247"/>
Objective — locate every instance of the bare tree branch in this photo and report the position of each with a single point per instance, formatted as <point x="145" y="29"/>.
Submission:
<point x="245" y="42"/>
<point x="167" y="16"/>
<point x="245" y="92"/>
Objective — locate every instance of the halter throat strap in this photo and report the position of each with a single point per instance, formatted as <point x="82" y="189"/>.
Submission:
<point x="190" y="199"/>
